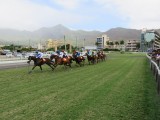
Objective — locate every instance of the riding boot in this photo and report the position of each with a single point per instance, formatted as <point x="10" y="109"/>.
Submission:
<point x="41" y="59"/>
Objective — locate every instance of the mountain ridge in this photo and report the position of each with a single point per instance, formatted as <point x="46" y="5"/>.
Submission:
<point x="58" y="32"/>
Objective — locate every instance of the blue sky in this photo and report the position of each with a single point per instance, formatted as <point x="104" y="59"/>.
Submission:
<point x="89" y="15"/>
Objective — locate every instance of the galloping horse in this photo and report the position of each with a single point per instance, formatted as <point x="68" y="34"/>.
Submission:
<point x="61" y="61"/>
<point x="79" y="59"/>
<point x="103" y="56"/>
<point x="39" y="62"/>
<point x="91" y="59"/>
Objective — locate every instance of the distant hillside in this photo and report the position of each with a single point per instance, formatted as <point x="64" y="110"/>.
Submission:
<point x="57" y="32"/>
<point x="43" y="34"/>
<point x="124" y="34"/>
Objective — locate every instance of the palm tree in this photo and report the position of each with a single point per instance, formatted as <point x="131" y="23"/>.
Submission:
<point x="116" y="43"/>
<point x="122" y="42"/>
<point x="107" y="42"/>
<point x="111" y="43"/>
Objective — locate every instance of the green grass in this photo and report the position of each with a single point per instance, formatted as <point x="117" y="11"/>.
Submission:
<point x="122" y="88"/>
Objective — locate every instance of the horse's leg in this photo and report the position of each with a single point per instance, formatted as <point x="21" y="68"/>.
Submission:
<point x="40" y="67"/>
<point x="80" y="64"/>
<point x="65" y="66"/>
<point x="83" y="62"/>
<point x="89" y="61"/>
<point x="70" y="65"/>
<point x="33" y="67"/>
<point x="50" y="66"/>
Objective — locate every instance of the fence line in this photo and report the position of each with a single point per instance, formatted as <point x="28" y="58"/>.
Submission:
<point x="156" y="72"/>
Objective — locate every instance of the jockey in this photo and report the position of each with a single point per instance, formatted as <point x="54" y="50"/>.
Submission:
<point x="98" y="52"/>
<point x="64" y="54"/>
<point x="89" y="52"/>
<point x="59" y="53"/>
<point x="102" y="51"/>
<point x="77" y="54"/>
<point x="93" y="53"/>
<point x="39" y="54"/>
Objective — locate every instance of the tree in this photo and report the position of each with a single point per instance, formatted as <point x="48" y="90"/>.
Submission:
<point x="116" y="43"/>
<point x="9" y="47"/>
<point x="122" y="42"/>
<point x="97" y="43"/>
<point x="63" y="47"/>
<point x="107" y="42"/>
<point x="138" y="45"/>
<point x="111" y="43"/>
<point x="50" y="49"/>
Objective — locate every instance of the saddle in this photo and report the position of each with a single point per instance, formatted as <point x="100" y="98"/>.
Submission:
<point x="43" y="59"/>
<point x="64" y="59"/>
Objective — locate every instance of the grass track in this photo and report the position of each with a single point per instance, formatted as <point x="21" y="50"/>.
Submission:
<point x="122" y="88"/>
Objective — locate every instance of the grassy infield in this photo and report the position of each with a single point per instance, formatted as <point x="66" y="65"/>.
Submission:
<point x="122" y="88"/>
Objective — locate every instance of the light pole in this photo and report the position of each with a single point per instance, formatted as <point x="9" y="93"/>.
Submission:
<point x="64" y="43"/>
<point x="84" y="43"/>
<point x="76" y="43"/>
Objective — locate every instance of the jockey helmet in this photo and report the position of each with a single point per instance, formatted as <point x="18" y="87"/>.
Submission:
<point x="57" y="51"/>
<point x="36" y="51"/>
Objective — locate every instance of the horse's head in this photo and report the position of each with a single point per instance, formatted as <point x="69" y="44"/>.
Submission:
<point x="53" y="56"/>
<point x="70" y="57"/>
<point x="31" y="58"/>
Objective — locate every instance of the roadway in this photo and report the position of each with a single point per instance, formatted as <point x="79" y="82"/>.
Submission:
<point x="13" y="64"/>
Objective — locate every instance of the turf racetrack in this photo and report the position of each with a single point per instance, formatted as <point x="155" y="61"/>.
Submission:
<point x="122" y="88"/>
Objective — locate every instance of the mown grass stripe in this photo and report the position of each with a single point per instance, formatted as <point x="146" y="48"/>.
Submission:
<point x="120" y="88"/>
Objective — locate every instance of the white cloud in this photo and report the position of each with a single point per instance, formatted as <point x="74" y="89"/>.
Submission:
<point x="140" y="13"/>
<point x="25" y="15"/>
<point x="29" y="15"/>
<point x="67" y="4"/>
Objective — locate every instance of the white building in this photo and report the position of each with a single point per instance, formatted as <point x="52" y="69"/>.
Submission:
<point x="131" y="45"/>
<point x="102" y="41"/>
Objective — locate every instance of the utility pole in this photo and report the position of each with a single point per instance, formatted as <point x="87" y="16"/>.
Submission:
<point x="29" y="45"/>
<point x="84" y="43"/>
<point x="40" y="46"/>
<point x="76" y="43"/>
<point x="64" y="43"/>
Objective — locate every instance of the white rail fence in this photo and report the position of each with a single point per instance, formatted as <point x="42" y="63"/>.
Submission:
<point x="155" y="67"/>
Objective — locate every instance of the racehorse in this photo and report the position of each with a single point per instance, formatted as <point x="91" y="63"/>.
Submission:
<point x="61" y="61"/>
<point x="40" y="61"/>
<point x="101" y="56"/>
<point x="92" y="59"/>
<point x="79" y="60"/>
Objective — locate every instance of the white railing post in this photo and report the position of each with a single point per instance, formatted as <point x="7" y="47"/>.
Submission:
<point x="156" y="72"/>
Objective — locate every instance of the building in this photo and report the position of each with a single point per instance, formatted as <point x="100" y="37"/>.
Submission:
<point x="131" y="45"/>
<point x="53" y="44"/>
<point x="102" y="41"/>
<point x="149" y="39"/>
